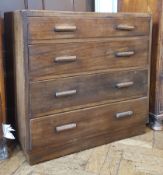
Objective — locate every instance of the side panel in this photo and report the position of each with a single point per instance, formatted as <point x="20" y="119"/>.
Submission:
<point x="17" y="80"/>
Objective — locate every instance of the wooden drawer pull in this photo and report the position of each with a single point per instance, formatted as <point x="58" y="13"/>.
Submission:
<point x="66" y="127"/>
<point x="125" y="84"/>
<point x="65" y="59"/>
<point x="66" y="93"/>
<point x="124" y="114"/>
<point x="65" y="28"/>
<point x="124" y="54"/>
<point x="125" y="27"/>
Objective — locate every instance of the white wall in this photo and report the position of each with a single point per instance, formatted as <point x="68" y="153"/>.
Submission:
<point x="106" y="5"/>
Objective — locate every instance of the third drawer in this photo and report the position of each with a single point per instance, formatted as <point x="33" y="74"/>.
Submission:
<point x="58" y="95"/>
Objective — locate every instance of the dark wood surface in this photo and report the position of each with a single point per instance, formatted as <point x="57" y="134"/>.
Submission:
<point x="44" y="28"/>
<point x="2" y="83"/>
<point x="87" y="123"/>
<point x="39" y="155"/>
<point x="90" y="90"/>
<point x="1" y="116"/>
<point x="7" y="6"/>
<point x="89" y="56"/>
<point x="155" y="7"/>
<point x="86" y="94"/>
<point x="158" y="104"/>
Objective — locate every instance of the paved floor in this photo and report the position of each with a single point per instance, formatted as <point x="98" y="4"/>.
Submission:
<point x="141" y="155"/>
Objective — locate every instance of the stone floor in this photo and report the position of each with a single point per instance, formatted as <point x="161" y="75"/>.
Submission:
<point x="141" y="155"/>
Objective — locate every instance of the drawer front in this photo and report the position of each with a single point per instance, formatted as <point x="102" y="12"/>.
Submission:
<point x="64" y="128"/>
<point x="48" y="97"/>
<point x="69" y="58"/>
<point x="74" y="26"/>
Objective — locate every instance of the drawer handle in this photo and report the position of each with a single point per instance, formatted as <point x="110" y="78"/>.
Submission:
<point x="125" y="27"/>
<point x="124" y="114"/>
<point x="65" y="59"/>
<point x="124" y="85"/>
<point x="65" y="28"/>
<point x="66" y="127"/>
<point x="66" y="93"/>
<point x="124" y="54"/>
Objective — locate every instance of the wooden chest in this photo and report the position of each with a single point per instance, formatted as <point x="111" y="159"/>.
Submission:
<point x="155" y="7"/>
<point x="82" y="79"/>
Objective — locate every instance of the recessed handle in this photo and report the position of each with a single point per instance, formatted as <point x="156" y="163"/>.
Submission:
<point x="65" y="59"/>
<point x="66" y="93"/>
<point x="124" y="85"/>
<point x="66" y="127"/>
<point x="124" y="114"/>
<point x="124" y="54"/>
<point x="125" y="27"/>
<point x="65" y="28"/>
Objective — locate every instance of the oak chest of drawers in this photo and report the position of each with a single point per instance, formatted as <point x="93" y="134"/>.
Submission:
<point x="82" y="79"/>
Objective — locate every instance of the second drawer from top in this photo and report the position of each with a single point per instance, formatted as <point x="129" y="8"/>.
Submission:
<point x="73" y="58"/>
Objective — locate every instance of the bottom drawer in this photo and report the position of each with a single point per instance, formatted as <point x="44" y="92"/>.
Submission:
<point x="78" y="125"/>
<point x="50" y="152"/>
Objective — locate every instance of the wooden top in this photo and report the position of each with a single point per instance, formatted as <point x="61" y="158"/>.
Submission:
<point x="91" y="14"/>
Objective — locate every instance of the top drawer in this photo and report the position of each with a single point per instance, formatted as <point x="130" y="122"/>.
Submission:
<point x="60" y="27"/>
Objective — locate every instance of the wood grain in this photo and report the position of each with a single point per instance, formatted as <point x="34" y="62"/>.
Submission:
<point x="43" y="28"/>
<point x="53" y="13"/>
<point x="90" y="122"/>
<point x="90" y="56"/>
<point x="90" y="89"/>
<point x="16" y="51"/>
<point x="86" y="98"/>
<point x="46" y="153"/>
<point x="2" y="82"/>
<point x="155" y="8"/>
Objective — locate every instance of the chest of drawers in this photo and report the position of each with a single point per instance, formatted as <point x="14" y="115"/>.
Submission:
<point x="82" y="79"/>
